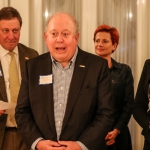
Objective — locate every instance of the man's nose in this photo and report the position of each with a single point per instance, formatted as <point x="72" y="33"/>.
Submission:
<point x="10" y="35"/>
<point x="59" y="38"/>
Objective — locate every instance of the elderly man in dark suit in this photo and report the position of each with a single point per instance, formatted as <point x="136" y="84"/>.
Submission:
<point x="12" y="63"/>
<point x="65" y="100"/>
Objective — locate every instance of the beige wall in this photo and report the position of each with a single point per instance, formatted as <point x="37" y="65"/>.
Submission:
<point x="23" y="7"/>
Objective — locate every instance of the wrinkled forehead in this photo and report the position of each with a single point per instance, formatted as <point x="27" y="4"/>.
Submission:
<point x="11" y="23"/>
<point x="62" y="19"/>
<point x="62" y="15"/>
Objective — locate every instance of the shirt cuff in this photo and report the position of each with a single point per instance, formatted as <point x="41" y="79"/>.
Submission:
<point x="33" y="147"/>
<point x="83" y="147"/>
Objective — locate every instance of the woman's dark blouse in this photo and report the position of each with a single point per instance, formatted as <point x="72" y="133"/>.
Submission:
<point x="123" y="94"/>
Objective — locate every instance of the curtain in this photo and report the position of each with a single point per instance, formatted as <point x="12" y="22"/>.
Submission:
<point x="4" y="3"/>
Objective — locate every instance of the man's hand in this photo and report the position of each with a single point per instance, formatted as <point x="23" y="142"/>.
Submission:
<point x="70" y="145"/>
<point x="111" y="136"/>
<point x="2" y="112"/>
<point x="49" y="145"/>
<point x="60" y="145"/>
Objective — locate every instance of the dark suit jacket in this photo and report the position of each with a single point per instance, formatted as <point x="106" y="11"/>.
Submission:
<point x="140" y="107"/>
<point x="89" y="110"/>
<point x="24" y="53"/>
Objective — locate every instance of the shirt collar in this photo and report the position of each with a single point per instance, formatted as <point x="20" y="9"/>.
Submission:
<point x="4" y="52"/>
<point x="71" y="62"/>
<point x="115" y="64"/>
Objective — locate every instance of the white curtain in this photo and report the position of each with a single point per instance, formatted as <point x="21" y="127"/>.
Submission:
<point x="4" y="3"/>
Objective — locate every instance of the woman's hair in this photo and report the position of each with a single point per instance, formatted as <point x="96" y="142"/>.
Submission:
<point x="112" y="30"/>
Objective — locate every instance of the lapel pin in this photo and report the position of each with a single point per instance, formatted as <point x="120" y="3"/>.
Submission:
<point x="1" y="73"/>
<point x="26" y="58"/>
<point x="82" y="66"/>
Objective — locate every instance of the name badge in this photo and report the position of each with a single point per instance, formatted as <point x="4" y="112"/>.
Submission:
<point x="44" y="80"/>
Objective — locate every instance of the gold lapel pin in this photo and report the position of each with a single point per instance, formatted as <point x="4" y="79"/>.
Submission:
<point x="82" y="66"/>
<point x="27" y="58"/>
<point x="0" y="73"/>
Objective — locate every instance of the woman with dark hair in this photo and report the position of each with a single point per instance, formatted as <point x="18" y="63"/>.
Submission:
<point x="106" y="40"/>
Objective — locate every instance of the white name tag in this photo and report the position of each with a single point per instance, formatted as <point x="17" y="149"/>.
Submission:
<point x="48" y="79"/>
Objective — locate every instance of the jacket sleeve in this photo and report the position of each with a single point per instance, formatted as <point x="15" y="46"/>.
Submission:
<point x="94" y="135"/>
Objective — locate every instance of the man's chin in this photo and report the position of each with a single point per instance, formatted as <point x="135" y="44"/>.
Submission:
<point x="10" y="48"/>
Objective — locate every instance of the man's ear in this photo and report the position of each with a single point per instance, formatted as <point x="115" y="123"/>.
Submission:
<point x="77" y="37"/>
<point x="45" y="35"/>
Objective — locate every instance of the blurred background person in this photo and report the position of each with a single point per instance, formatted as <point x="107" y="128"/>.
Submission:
<point x="13" y="56"/>
<point x="141" y="110"/>
<point x="106" y="40"/>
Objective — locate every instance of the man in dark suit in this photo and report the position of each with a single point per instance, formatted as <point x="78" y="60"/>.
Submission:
<point x="65" y="100"/>
<point x="141" y="107"/>
<point x="10" y="26"/>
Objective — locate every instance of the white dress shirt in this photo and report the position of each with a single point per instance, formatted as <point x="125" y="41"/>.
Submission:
<point x="5" y="61"/>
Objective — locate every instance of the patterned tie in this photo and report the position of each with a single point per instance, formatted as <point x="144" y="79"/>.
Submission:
<point x="14" y="83"/>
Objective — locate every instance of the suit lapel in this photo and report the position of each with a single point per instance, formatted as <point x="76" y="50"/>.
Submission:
<point x="22" y="59"/>
<point x="80" y="70"/>
<point x="47" y="90"/>
<point x="2" y="83"/>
